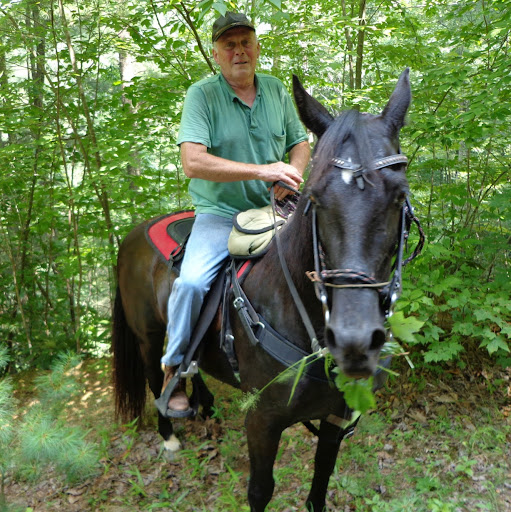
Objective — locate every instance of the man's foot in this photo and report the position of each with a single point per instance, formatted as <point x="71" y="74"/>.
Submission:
<point x="178" y="401"/>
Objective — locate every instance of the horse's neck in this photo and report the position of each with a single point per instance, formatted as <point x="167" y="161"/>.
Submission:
<point x="267" y="288"/>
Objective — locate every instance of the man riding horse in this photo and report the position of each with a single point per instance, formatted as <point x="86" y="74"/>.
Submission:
<point x="235" y="131"/>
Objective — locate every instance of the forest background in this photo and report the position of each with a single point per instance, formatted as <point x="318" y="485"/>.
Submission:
<point x="90" y="101"/>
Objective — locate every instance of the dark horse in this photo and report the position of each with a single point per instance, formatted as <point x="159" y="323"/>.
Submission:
<point x="350" y="215"/>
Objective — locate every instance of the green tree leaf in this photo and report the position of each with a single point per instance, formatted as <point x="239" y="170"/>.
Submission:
<point x="358" y="393"/>
<point x="276" y="3"/>
<point x="404" y="328"/>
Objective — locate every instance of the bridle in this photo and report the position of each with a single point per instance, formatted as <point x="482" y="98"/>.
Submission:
<point x="322" y="277"/>
<point x="348" y="278"/>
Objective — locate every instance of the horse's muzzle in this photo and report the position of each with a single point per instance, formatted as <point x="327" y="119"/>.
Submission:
<point x="356" y="352"/>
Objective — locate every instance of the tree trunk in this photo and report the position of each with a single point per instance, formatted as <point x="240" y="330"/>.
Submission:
<point x="349" y="47"/>
<point x="127" y="73"/>
<point x="99" y="187"/>
<point x="360" y="44"/>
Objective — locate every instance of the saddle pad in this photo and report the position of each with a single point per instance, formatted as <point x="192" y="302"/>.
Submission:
<point x="167" y="234"/>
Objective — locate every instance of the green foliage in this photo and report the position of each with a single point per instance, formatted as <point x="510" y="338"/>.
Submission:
<point x="358" y="393"/>
<point x="86" y="151"/>
<point x="403" y="327"/>
<point x="39" y="440"/>
<point x="7" y="429"/>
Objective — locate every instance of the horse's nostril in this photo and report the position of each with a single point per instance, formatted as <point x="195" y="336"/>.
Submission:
<point x="378" y="339"/>
<point x="329" y="337"/>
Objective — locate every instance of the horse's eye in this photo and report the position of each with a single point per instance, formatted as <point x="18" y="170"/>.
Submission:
<point x="400" y="199"/>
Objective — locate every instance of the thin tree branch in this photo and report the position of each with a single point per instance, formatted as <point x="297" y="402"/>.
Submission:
<point x="185" y="13"/>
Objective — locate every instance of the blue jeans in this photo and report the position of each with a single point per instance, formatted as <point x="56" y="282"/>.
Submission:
<point x="205" y="254"/>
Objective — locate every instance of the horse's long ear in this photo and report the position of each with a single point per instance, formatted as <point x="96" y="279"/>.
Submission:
<point x="314" y="115"/>
<point x="395" y="111"/>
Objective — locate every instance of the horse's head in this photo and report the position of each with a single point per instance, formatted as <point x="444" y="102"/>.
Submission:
<point x="357" y="187"/>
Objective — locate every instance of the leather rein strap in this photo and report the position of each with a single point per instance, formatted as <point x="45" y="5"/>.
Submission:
<point x="292" y="288"/>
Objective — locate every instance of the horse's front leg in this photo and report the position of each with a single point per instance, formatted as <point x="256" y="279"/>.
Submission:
<point x="202" y="395"/>
<point x="263" y="438"/>
<point x="330" y="437"/>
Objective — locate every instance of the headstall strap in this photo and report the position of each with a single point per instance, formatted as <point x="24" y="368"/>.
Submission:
<point x="381" y="163"/>
<point x="390" y="161"/>
<point x="359" y="172"/>
<point x="349" y="278"/>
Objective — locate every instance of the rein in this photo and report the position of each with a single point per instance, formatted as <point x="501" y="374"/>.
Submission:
<point x="335" y="278"/>
<point x="292" y="288"/>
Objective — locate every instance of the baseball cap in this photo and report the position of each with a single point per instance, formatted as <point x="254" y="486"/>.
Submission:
<point x="230" y="20"/>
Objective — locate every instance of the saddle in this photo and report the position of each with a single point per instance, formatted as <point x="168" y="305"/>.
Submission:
<point x="252" y="233"/>
<point x="168" y="235"/>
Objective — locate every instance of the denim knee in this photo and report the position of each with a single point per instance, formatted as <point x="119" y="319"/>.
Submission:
<point x="194" y="286"/>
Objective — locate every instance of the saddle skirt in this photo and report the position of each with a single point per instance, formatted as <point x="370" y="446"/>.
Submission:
<point x="168" y="234"/>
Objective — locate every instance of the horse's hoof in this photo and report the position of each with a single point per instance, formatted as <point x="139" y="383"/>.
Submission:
<point x="172" y="444"/>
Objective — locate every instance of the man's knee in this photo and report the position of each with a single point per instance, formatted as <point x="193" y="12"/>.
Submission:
<point x="194" y="285"/>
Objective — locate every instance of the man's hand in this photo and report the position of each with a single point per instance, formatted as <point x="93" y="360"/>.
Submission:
<point x="280" y="171"/>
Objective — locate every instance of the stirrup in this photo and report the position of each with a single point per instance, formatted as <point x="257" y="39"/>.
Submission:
<point x="193" y="369"/>
<point x="162" y="403"/>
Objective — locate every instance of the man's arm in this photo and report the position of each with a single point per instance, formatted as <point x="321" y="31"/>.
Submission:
<point x="299" y="156"/>
<point x="198" y="163"/>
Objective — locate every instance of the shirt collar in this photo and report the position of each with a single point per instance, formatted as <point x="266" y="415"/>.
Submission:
<point x="232" y="94"/>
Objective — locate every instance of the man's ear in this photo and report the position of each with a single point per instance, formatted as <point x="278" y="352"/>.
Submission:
<point x="215" y="54"/>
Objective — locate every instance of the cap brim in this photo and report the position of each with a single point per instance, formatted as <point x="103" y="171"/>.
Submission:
<point x="232" y="25"/>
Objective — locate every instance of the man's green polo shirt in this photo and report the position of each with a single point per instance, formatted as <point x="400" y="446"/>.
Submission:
<point x="214" y="116"/>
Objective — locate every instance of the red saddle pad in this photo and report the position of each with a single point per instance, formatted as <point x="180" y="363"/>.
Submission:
<point x="168" y="234"/>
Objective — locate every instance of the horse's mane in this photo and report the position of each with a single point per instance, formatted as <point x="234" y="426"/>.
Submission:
<point x="349" y="125"/>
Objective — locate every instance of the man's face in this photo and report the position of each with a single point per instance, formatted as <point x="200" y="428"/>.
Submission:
<point x="236" y="52"/>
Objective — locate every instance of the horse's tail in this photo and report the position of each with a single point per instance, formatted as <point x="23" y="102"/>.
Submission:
<point x="128" y="369"/>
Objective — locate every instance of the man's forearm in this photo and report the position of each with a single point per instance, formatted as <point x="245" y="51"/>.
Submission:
<point x="198" y="163"/>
